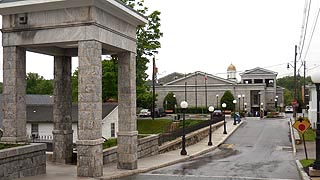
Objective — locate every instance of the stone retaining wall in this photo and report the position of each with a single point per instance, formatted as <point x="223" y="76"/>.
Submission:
<point x="191" y="138"/>
<point x="147" y="146"/>
<point x="23" y="161"/>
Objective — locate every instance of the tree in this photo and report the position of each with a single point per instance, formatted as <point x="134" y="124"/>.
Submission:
<point x="288" y="83"/>
<point x="36" y="84"/>
<point x="109" y="80"/>
<point x="148" y="42"/>
<point x="227" y="98"/>
<point x="169" y="101"/>
<point x="74" y="81"/>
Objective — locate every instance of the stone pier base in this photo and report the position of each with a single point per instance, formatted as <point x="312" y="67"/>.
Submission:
<point x="127" y="150"/>
<point x="90" y="158"/>
<point x="62" y="146"/>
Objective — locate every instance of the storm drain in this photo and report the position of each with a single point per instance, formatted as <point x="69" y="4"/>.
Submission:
<point x="284" y="148"/>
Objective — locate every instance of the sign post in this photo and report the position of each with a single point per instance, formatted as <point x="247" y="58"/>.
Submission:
<point x="302" y="126"/>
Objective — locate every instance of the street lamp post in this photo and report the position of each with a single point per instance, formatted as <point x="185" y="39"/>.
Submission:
<point x="239" y="98"/>
<point x="234" y="110"/>
<point x="217" y="101"/>
<point x="224" y="105"/>
<point x="245" y="107"/>
<point x="261" y="110"/>
<point x="316" y="79"/>
<point x="211" y="109"/>
<point x="184" y="106"/>
<point x="175" y="104"/>
<point x="243" y="102"/>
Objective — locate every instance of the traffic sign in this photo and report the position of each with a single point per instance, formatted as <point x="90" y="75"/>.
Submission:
<point x="301" y="126"/>
<point x="294" y="102"/>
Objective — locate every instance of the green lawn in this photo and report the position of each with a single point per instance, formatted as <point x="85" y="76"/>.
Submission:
<point x="110" y="143"/>
<point x="189" y="122"/>
<point x="306" y="163"/>
<point x="148" y="126"/>
<point x="309" y="135"/>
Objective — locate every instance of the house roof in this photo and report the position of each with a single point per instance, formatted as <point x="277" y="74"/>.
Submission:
<point x="40" y="109"/>
<point x="44" y="113"/>
<point x="170" y="77"/>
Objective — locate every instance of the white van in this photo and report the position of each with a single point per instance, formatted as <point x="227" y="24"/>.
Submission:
<point x="288" y="109"/>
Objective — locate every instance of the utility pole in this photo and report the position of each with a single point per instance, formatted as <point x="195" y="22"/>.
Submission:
<point x="304" y="84"/>
<point x="205" y="86"/>
<point x="295" y="82"/>
<point x="153" y="87"/>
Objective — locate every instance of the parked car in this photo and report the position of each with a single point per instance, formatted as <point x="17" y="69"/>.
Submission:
<point x="144" y="113"/>
<point x="288" y="109"/>
<point x="159" y="112"/>
<point x="217" y="112"/>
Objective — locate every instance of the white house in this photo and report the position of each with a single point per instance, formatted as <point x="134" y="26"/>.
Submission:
<point x="312" y="112"/>
<point x="40" y="118"/>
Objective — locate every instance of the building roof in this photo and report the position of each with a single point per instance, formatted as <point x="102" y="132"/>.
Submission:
<point x="258" y="70"/>
<point x="170" y="77"/>
<point x="40" y="109"/>
<point x="197" y="73"/>
<point x="44" y="113"/>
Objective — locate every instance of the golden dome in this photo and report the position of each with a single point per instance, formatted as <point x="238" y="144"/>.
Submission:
<point x="231" y="68"/>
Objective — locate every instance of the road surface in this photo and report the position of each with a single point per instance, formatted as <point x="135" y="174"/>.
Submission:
<point x="260" y="150"/>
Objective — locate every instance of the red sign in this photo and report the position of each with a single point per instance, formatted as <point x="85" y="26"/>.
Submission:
<point x="294" y="102"/>
<point x="302" y="127"/>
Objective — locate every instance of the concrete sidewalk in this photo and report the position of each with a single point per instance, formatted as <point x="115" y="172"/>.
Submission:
<point x="110" y="171"/>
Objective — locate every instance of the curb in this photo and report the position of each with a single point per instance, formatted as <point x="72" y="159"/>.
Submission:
<point x="188" y="157"/>
<point x="293" y="141"/>
<point x="303" y="174"/>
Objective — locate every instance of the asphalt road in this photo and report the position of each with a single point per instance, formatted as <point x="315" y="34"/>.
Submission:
<point x="260" y="149"/>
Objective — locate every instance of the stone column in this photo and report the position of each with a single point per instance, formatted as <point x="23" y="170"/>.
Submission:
<point x="14" y="95"/>
<point x="128" y="134"/>
<point x="62" y="110"/>
<point x="89" y="145"/>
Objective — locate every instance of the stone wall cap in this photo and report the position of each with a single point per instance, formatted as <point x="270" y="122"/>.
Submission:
<point x="114" y="7"/>
<point x="20" y="150"/>
<point x="90" y="142"/>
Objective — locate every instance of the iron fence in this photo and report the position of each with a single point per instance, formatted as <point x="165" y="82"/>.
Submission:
<point x="164" y="137"/>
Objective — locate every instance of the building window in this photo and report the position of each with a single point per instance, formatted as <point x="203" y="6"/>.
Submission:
<point x="113" y="129"/>
<point x="256" y="99"/>
<point x="269" y="82"/>
<point x="34" y="128"/>
<point x="258" y="81"/>
<point x="34" y="131"/>
<point x="247" y="81"/>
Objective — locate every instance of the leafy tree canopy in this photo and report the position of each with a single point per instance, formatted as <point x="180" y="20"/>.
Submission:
<point x="36" y="84"/>
<point x="227" y="98"/>
<point x="288" y="83"/>
<point x="169" y="101"/>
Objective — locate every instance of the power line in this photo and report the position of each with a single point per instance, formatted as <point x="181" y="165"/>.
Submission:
<point x="305" y="30"/>
<point x="314" y="27"/>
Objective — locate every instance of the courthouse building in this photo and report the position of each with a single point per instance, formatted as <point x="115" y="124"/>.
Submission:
<point x="257" y="88"/>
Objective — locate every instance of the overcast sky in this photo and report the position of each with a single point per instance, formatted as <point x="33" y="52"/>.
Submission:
<point x="209" y="35"/>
